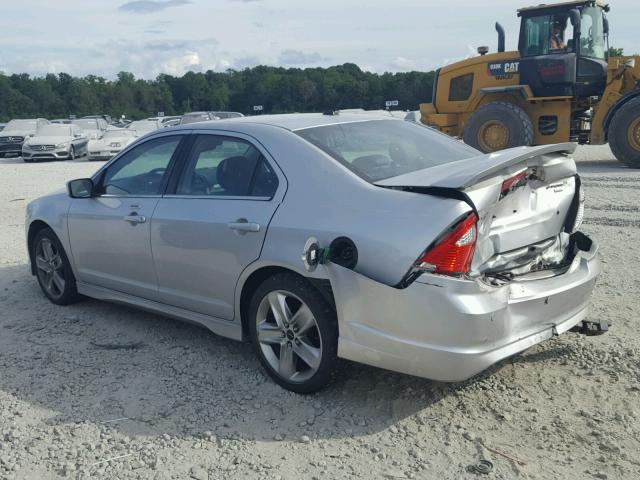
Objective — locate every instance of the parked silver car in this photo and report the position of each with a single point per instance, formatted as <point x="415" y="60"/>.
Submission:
<point x="55" y="142"/>
<point x="316" y="236"/>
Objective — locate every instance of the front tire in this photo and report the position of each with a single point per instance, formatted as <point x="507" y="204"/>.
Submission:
<point x="497" y="126"/>
<point x="624" y="134"/>
<point x="53" y="269"/>
<point x="72" y="153"/>
<point x="294" y="332"/>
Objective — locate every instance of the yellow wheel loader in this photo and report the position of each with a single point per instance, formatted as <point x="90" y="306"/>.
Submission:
<point x="559" y="86"/>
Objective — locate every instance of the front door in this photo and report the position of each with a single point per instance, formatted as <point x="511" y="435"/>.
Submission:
<point x="109" y="233"/>
<point x="214" y="223"/>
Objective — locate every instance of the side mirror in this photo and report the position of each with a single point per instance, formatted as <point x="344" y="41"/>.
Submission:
<point x="605" y="27"/>
<point x="77" y="135"/>
<point x="81" y="188"/>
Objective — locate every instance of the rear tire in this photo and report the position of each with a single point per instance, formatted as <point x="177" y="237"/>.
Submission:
<point x="53" y="269"/>
<point x="497" y="126"/>
<point x="297" y="341"/>
<point x="624" y="134"/>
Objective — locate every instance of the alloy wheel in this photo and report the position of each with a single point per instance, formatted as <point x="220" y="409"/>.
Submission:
<point x="50" y="268"/>
<point x="288" y="336"/>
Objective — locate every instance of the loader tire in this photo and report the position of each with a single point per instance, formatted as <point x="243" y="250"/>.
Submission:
<point x="624" y="134"/>
<point x="497" y="126"/>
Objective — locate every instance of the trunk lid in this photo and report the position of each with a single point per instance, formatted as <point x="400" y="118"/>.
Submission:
<point x="522" y="228"/>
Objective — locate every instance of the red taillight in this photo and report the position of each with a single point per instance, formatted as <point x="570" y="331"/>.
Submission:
<point x="513" y="181"/>
<point x="452" y="255"/>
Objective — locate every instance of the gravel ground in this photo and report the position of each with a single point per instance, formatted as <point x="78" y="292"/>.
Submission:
<point x="189" y="404"/>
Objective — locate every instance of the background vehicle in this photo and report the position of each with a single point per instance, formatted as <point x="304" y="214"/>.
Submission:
<point x="144" y="126"/>
<point x="55" y="142"/>
<point x="105" y="117"/>
<point x="557" y="87"/>
<point x="195" y="117"/>
<point x="15" y="133"/>
<point x="167" y="121"/>
<point x="111" y="143"/>
<point x="63" y="121"/>
<point x="426" y="258"/>
<point x="225" y="115"/>
<point x="94" y="127"/>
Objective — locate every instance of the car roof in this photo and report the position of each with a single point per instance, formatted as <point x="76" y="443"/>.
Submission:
<point x="290" y="121"/>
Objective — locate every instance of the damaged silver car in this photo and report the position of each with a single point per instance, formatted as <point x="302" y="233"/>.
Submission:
<point x="323" y="236"/>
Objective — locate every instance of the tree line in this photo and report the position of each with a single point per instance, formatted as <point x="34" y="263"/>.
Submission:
<point x="278" y="90"/>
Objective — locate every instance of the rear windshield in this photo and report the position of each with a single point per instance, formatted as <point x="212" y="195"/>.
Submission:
<point x="380" y="149"/>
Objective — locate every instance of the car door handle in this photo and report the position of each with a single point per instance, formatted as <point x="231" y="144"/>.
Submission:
<point x="135" y="219"/>
<point x="242" y="225"/>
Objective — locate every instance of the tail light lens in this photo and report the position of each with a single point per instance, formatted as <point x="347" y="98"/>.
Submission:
<point x="512" y="182"/>
<point x="452" y="254"/>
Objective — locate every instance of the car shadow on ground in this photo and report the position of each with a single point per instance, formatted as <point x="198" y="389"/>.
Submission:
<point x="181" y="380"/>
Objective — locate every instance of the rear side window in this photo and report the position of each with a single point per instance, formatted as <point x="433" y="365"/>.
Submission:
<point x="226" y="166"/>
<point x="461" y="88"/>
<point x="380" y="149"/>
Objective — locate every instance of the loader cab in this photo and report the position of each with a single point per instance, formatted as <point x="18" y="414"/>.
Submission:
<point x="563" y="49"/>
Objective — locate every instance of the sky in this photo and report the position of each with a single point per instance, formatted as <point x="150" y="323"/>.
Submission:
<point x="149" y="37"/>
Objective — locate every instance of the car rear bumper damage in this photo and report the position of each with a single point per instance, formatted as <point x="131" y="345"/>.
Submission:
<point x="450" y="329"/>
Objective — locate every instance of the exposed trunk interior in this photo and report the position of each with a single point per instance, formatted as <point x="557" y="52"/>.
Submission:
<point x="529" y="204"/>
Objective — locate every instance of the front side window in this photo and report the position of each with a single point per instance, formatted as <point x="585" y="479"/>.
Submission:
<point x="592" y="37"/>
<point x="226" y="166"/>
<point x="142" y="170"/>
<point x="547" y="34"/>
<point x="380" y="149"/>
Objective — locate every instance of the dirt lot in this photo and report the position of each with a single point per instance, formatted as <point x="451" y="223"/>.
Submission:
<point x="188" y="404"/>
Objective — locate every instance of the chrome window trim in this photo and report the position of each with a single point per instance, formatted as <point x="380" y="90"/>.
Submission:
<point x="219" y="197"/>
<point x="108" y="195"/>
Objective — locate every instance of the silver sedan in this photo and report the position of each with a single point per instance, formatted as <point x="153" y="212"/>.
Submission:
<point x="324" y="236"/>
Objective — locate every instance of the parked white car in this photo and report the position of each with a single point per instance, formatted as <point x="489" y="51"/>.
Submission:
<point x="110" y="144"/>
<point x="55" y="142"/>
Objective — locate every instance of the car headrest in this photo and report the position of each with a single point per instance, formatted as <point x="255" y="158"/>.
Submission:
<point x="234" y="175"/>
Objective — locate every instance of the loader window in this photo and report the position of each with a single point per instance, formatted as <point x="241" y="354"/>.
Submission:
<point x="461" y="88"/>
<point x="592" y="38"/>
<point x="545" y="35"/>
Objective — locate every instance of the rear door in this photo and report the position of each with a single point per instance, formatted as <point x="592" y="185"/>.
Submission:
<point x="213" y="223"/>
<point x="109" y="233"/>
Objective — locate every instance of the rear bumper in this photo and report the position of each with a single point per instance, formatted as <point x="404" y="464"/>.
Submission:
<point x="449" y="329"/>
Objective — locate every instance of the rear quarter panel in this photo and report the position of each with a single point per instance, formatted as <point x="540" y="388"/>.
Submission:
<point x="390" y="228"/>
